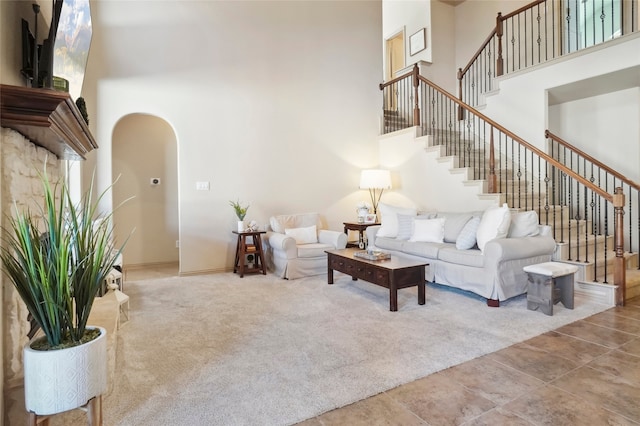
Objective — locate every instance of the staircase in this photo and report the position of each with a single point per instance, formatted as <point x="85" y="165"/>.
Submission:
<point x="592" y="209"/>
<point x="577" y="243"/>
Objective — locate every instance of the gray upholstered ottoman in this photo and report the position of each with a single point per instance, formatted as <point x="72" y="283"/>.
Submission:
<point x="550" y="283"/>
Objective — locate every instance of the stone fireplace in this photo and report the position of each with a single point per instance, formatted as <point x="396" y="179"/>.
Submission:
<point x="38" y="127"/>
<point x="20" y="188"/>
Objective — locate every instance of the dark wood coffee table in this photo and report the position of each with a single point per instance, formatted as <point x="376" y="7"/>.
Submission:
<point x="393" y="274"/>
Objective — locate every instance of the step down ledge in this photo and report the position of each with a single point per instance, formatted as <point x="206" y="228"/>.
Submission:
<point x="437" y="149"/>
<point x="596" y="292"/>
<point x="409" y="130"/>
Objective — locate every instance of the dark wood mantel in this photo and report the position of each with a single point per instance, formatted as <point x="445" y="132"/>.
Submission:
<point x="48" y="118"/>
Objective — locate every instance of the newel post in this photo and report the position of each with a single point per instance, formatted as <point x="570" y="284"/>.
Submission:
<point x="499" y="60"/>
<point x="492" y="166"/>
<point x="619" y="269"/>
<point x="416" y="105"/>
<point x="460" y="109"/>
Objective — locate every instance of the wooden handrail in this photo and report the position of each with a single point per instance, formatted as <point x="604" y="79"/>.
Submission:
<point x="475" y="56"/>
<point x="538" y="152"/>
<point x="397" y="79"/>
<point x="522" y="9"/>
<point x="593" y="160"/>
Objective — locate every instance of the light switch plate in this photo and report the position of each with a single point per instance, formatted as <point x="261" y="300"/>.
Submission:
<point x="202" y="186"/>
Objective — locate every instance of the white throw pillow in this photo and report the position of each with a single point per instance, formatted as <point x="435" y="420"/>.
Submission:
<point x="494" y="224"/>
<point x="467" y="237"/>
<point x="428" y="230"/>
<point x="307" y="235"/>
<point x="389" y="219"/>
<point x="405" y="226"/>
<point x="524" y="224"/>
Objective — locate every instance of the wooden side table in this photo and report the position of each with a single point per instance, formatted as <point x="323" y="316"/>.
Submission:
<point x="361" y="228"/>
<point x="254" y="247"/>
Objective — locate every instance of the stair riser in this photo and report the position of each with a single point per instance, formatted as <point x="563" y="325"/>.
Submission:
<point x="577" y="250"/>
<point x="586" y="271"/>
<point x="630" y="260"/>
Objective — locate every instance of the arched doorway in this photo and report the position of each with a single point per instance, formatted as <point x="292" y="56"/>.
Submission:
<point x="145" y="165"/>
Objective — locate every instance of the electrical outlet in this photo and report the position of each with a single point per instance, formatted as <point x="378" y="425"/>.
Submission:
<point x="177" y="243"/>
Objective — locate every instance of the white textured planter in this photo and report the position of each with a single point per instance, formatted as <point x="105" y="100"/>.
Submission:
<point x="64" y="379"/>
<point x="240" y="225"/>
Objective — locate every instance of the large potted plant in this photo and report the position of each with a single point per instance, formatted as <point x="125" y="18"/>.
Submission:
<point x="57" y="257"/>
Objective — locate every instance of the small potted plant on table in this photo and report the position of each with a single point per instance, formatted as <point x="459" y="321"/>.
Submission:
<point x="241" y="212"/>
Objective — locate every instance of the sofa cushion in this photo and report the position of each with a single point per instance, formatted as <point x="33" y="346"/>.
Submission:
<point x="428" y="230"/>
<point x="389" y="219"/>
<point x="313" y="250"/>
<point x="494" y="224"/>
<point x="454" y="224"/>
<point x="428" y="250"/>
<point x="280" y="223"/>
<point x="467" y="237"/>
<point x="405" y="226"/>
<point x="461" y="257"/>
<point x="305" y="235"/>
<point x="523" y="224"/>
<point x="389" y="243"/>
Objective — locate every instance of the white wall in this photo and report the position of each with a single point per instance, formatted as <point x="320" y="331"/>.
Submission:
<point x="607" y="127"/>
<point x="522" y="102"/>
<point x="145" y="147"/>
<point x="474" y="21"/>
<point x="420" y="180"/>
<point x="274" y="103"/>
<point x="410" y="16"/>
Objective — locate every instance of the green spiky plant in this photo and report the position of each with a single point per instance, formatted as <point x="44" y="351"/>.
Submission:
<point x="241" y="211"/>
<point x="58" y="263"/>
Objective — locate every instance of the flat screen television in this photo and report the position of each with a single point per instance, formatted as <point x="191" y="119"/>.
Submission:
<point x="65" y="51"/>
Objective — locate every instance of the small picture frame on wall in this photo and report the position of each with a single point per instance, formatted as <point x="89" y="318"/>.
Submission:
<point x="370" y="218"/>
<point x="417" y="42"/>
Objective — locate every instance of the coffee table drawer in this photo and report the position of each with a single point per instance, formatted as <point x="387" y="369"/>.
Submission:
<point x="348" y="266"/>
<point x="377" y="275"/>
<point x="338" y="263"/>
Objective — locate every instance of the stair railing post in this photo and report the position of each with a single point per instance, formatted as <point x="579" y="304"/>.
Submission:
<point x="460" y="109"/>
<point x="499" y="32"/>
<point x="416" y="106"/>
<point x="492" y="165"/>
<point x="619" y="269"/>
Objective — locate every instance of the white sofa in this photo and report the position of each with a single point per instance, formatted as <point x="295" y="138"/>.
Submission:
<point x="495" y="272"/>
<point x="296" y="245"/>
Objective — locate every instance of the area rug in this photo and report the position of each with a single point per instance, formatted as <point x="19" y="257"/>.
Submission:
<point x="224" y="350"/>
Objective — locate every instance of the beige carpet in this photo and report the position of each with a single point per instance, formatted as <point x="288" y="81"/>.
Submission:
<point x="220" y="350"/>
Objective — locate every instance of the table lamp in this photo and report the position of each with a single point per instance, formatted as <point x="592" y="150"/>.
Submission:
<point x="376" y="181"/>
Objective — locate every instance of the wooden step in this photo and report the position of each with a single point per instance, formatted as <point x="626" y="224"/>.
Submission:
<point x="583" y="247"/>
<point x="595" y="271"/>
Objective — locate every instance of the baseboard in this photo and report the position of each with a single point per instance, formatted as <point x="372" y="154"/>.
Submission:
<point x="596" y="292"/>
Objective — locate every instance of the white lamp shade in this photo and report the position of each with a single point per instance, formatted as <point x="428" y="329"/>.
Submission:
<point x="375" y="179"/>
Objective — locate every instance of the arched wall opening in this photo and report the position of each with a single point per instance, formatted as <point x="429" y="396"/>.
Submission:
<point x="145" y="168"/>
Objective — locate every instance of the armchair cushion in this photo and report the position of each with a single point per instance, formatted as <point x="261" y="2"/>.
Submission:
<point x="313" y="250"/>
<point x="280" y="223"/>
<point x="305" y="235"/>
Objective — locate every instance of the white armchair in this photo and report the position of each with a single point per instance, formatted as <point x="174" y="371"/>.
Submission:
<point x="296" y="245"/>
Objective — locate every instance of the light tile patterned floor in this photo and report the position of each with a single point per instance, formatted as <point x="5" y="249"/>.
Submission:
<point x="587" y="372"/>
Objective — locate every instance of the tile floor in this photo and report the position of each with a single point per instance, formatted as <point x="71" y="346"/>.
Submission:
<point x="587" y="372"/>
